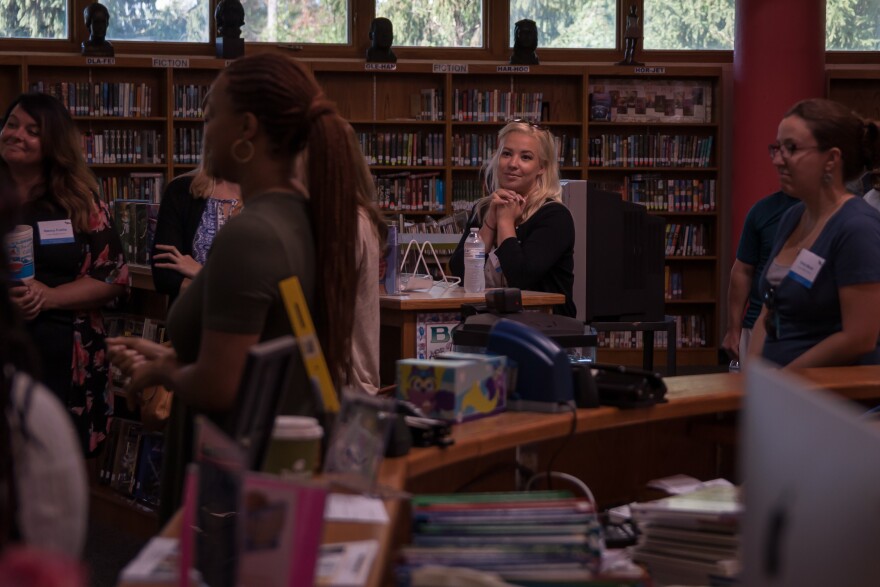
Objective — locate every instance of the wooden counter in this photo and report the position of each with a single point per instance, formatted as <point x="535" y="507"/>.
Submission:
<point x="400" y="315"/>
<point x="478" y="443"/>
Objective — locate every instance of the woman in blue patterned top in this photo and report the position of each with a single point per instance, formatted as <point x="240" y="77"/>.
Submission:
<point x="195" y="206"/>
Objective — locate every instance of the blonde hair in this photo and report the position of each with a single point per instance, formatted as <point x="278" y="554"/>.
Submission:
<point x="203" y="179"/>
<point x="547" y="185"/>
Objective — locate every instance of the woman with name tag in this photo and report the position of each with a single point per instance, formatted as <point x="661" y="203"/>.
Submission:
<point x="527" y="230"/>
<point x="78" y="259"/>
<point x="821" y="289"/>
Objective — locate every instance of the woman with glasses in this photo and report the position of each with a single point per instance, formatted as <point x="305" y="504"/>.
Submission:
<point x="821" y="289"/>
<point x="527" y="230"/>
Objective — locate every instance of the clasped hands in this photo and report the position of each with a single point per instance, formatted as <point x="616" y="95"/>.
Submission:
<point x="143" y="362"/>
<point x="506" y="205"/>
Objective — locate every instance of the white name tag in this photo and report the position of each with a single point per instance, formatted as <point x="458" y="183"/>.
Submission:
<point x="55" y="232"/>
<point x="806" y="267"/>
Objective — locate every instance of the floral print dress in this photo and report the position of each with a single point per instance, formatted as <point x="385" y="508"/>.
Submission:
<point x="71" y="343"/>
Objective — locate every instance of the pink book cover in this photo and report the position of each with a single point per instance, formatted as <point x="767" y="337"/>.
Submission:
<point x="283" y="525"/>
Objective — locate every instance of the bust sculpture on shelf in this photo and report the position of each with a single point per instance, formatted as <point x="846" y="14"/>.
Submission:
<point x="97" y="18"/>
<point x="525" y="41"/>
<point x="229" y="18"/>
<point x="381" y="37"/>
<point x="631" y="37"/>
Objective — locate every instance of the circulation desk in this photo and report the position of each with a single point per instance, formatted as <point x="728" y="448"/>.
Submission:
<point x="482" y="443"/>
<point x="437" y="311"/>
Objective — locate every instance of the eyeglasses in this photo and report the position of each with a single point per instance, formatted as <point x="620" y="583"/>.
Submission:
<point x="787" y="149"/>
<point x="771" y="318"/>
<point x="530" y="122"/>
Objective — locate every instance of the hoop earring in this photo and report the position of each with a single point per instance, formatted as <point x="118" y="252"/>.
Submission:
<point x="242" y="158"/>
<point x="826" y="178"/>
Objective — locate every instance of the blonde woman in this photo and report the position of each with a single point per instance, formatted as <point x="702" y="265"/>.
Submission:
<point x="527" y="230"/>
<point x="194" y="207"/>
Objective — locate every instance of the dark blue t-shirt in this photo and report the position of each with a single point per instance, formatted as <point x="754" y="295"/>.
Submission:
<point x="850" y="246"/>
<point x="756" y="241"/>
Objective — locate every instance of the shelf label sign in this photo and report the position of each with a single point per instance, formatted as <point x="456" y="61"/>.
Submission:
<point x="175" y="62"/>
<point x="380" y="66"/>
<point x="100" y="61"/>
<point x="513" y="69"/>
<point x="450" y="68"/>
<point x="649" y="70"/>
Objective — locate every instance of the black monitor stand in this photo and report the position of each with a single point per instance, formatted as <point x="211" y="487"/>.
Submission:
<point x="648" y="328"/>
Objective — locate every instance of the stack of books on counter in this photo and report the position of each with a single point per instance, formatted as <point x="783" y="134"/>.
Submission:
<point x="692" y="538"/>
<point x="543" y="538"/>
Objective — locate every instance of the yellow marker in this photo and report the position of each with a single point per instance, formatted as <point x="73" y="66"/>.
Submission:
<point x="307" y="339"/>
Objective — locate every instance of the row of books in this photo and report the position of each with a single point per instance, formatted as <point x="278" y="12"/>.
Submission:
<point x="410" y="192"/>
<point x="136" y="224"/>
<point x="541" y="537"/>
<point x="465" y="193"/>
<point x="146" y="186"/>
<point x="686" y="239"/>
<point x="663" y="101"/>
<point x="132" y="462"/>
<point x="670" y="195"/>
<point x="428" y="104"/>
<point x="189" y="100"/>
<point x="495" y="105"/>
<point x="187" y="145"/>
<point x="474" y="149"/>
<point x="123" y="146"/>
<point x="650" y="150"/>
<point x="690" y="332"/>
<point x="693" y="538"/>
<point x="402" y="148"/>
<point x="452" y="224"/>
<point x="673" y="284"/>
<point x="126" y="99"/>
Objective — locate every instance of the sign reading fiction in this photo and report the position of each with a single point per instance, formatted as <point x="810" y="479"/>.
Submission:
<point x="649" y="70"/>
<point x="380" y="66"/>
<point x="450" y="68"/>
<point x="100" y="61"/>
<point x="175" y="62"/>
<point x="513" y="69"/>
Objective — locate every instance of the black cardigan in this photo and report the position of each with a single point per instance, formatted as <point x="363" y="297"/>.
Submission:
<point x="540" y="258"/>
<point x="179" y="217"/>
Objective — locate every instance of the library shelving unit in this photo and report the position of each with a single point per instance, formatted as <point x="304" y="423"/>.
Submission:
<point x="858" y="88"/>
<point x="656" y="131"/>
<point x="426" y="128"/>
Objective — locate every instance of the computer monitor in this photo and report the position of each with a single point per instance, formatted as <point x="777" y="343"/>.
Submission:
<point x="618" y="256"/>
<point x="811" y="472"/>
<point x="266" y="376"/>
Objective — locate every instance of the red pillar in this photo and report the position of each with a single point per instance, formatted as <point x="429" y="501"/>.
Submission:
<point x="779" y="58"/>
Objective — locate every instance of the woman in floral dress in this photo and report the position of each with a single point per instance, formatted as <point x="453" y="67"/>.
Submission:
<point x="78" y="259"/>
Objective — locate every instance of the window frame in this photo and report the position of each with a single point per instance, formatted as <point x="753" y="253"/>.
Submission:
<point x="496" y="16"/>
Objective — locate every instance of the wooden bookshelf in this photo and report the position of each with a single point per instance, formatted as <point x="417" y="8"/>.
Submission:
<point x="397" y="103"/>
<point x="666" y="153"/>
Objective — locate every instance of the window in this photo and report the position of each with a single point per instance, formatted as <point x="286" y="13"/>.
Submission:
<point x="184" y="21"/>
<point x="434" y="23"/>
<point x="296" y="21"/>
<point x="852" y="25"/>
<point x="689" y="24"/>
<point x="33" y="19"/>
<point x="576" y="24"/>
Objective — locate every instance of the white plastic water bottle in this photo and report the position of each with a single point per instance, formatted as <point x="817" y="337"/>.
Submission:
<point x="474" y="261"/>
